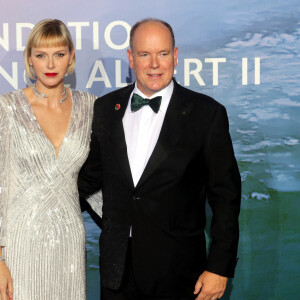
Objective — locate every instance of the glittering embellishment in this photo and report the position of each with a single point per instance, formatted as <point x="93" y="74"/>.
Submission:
<point x="40" y="218"/>
<point x="117" y="107"/>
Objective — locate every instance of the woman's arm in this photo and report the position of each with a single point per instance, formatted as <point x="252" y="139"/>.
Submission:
<point x="6" y="286"/>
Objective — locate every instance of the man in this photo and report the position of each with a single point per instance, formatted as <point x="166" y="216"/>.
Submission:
<point x="157" y="161"/>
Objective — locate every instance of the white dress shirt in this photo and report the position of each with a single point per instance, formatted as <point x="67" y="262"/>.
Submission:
<point x="142" y="129"/>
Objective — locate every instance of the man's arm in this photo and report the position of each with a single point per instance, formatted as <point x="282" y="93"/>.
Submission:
<point x="224" y="196"/>
<point x="90" y="175"/>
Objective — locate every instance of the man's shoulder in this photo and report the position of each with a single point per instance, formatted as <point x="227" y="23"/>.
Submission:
<point x="123" y="92"/>
<point x="198" y="99"/>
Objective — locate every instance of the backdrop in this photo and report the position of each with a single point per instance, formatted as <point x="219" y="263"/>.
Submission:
<point x="245" y="54"/>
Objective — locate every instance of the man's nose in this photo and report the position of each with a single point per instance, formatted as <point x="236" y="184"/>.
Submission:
<point x="154" y="63"/>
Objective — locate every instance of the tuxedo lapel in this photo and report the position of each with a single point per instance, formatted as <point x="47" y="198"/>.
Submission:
<point x="171" y="131"/>
<point x="119" y="148"/>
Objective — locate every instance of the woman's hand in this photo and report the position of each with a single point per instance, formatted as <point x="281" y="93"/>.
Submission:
<point x="6" y="284"/>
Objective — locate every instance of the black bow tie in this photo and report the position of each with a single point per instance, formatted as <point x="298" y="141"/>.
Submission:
<point x="137" y="102"/>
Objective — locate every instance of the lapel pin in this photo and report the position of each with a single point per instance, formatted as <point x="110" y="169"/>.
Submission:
<point x="117" y="107"/>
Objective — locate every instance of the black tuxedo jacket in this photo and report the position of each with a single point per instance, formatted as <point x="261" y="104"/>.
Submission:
<point x="192" y="161"/>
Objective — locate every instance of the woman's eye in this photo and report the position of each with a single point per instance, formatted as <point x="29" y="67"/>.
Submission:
<point x="60" y="54"/>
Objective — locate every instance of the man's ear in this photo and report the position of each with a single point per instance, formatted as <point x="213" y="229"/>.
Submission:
<point x="130" y="58"/>
<point x="175" y="53"/>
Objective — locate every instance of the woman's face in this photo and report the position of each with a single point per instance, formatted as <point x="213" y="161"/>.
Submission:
<point x="50" y="64"/>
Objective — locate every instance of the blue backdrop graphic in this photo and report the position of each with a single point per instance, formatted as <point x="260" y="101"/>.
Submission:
<point x="245" y="54"/>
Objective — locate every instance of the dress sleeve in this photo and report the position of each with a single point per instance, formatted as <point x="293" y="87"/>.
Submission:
<point x="90" y="175"/>
<point x="89" y="181"/>
<point x="96" y="202"/>
<point x="4" y="169"/>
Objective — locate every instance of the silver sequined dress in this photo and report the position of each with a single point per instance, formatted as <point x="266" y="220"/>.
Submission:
<point x="40" y="218"/>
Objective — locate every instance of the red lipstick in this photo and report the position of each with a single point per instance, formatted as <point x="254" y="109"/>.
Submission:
<point x="51" y="74"/>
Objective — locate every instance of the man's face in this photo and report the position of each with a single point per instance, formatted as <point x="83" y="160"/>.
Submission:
<point x="152" y="57"/>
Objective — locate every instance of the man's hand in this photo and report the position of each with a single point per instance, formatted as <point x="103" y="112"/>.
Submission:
<point x="210" y="286"/>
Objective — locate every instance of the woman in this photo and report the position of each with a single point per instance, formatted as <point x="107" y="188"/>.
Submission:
<point x="44" y="140"/>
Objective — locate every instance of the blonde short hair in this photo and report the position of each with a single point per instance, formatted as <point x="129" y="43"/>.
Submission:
<point x="48" y="33"/>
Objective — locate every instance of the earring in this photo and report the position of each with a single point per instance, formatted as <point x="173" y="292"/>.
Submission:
<point x="67" y="73"/>
<point x="31" y="69"/>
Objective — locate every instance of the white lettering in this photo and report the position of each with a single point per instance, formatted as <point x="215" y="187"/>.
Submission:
<point x="98" y="66"/>
<point x="96" y="35"/>
<point x="119" y="82"/>
<point x="4" y="41"/>
<point x="107" y="34"/>
<point x="244" y="71"/>
<point x="257" y="70"/>
<point x="215" y="62"/>
<point x="13" y="79"/>
<point x="195" y="72"/>
<point x="78" y="26"/>
<point x="19" y="29"/>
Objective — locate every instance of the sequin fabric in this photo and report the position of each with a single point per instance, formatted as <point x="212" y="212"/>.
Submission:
<point x="40" y="218"/>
